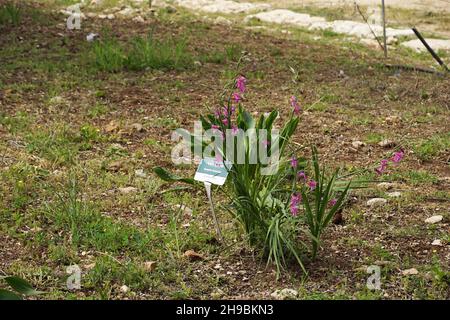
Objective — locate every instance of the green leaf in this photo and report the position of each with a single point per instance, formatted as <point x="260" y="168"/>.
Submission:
<point x="8" y="295"/>
<point x="21" y="286"/>
<point x="169" y="177"/>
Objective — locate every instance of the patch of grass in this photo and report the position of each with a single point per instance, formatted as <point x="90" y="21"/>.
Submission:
<point x="61" y="144"/>
<point x="417" y="177"/>
<point x="155" y="54"/>
<point x="143" y="53"/>
<point x="17" y="123"/>
<point x="374" y="138"/>
<point x="10" y="13"/>
<point x="88" y="228"/>
<point x="429" y="148"/>
<point x="109" y="55"/>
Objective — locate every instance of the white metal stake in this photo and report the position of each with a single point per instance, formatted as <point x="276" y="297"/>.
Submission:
<point x="209" y="194"/>
<point x="383" y="13"/>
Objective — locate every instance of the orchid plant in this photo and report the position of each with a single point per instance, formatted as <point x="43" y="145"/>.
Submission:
<point x="282" y="211"/>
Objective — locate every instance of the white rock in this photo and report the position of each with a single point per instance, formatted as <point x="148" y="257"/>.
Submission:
<point x="222" y="6"/>
<point x="434" y="219"/>
<point x="126" y="12"/>
<point x="140" y="173"/>
<point x="223" y="21"/>
<point x="186" y="210"/>
<point x="435" y="44"/>
<point x="91" y="37"/>
<point x="284" y="294"/>
<point x="386" y="143"/>
<point x="128" y="190"/>
<point x="437" y="243"/>
<point x="386" y="185"/>
<point x="351" y="28"/>
<point x="283" y="16"/>
<point x="110" y="16"/>
<point x="357" y="144"/>
<point x="139" y="19"/>
<point x="409" y="272"/>
<point x="124" y="289"/>
<point x="394" y="194"/>
<point x="376" y="202"/>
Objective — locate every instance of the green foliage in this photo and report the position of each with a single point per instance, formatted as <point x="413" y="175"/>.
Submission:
<point x="260" y="191"/>
<point x="90" y="228"/>
<point x="10" y="13"/>
<point x="143" y="53"/>
<point x="20" y="288"/>
<point x="151" y="53"/>
<point x="109" y="55"/>
<point x="433" y="146"/>
<point x="318" y="210"/>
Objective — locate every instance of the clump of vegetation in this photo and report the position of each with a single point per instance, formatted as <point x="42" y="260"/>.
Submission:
<point x="278" y="204"/>
<point x="20" y="288"/>
<point x="144" y="52"/>
<point x="10" y="13"/>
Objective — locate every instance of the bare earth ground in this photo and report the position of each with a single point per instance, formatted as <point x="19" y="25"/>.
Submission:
<point x="72" y="136"/>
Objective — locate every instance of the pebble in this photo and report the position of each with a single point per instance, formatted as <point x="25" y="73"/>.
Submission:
<point x="127" y="190"/>
<point x="434" y="219"/>
<point x="437" y="243"/>
<point x="376" y="202"/>
<point x="284" y="294"/>
<point x="124" y="289"/>
<point x="358" y="144"/>
<point x="394" y="194"/>
<point x="409" y="272"/>
<point x="386" y="143"/>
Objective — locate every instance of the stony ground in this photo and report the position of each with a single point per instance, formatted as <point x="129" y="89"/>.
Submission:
<point x="79" y="140"/>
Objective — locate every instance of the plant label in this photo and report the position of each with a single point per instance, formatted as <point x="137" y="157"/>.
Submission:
<point x="213" y="171"/>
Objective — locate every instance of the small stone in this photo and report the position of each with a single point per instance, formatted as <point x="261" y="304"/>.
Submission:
<point x="437" y="243"/>
<point x="376" y="202"/>
<point x="284" y="294"/>
<point x="386" y="185"/>
<point x="192" y="255"/>
<point x="124" y="289"/>
<point x="89" y="266"/>
<point x="409" y="272"/>
<point x="128" y="190"/>
<point x="217" y="294"/>
<point x="57" y="100"/>
<point x="393" y="119"/>
<point x="91" y="37"/>
<point x="110" y="16"/>
<point x="140" y="173"/>
<point x="223" y="21"/>
<point x="386" y="143"/>
<point x="150" y="266"/>
<point x="102" y="16"/>
<point x="139" y="19"/>
<point x="434" y="219"/>
<point x="126" y="12"/>
<point x="137" y="127"/>
<point x="111" y="127"/>
<point x="186" y="210"/>
<point x="358" y="144"/>
<point x="394" y="194"/>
